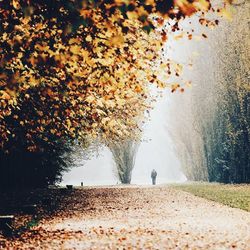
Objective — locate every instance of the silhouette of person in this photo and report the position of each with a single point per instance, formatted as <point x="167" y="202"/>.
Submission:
<point x="153" y="176"/>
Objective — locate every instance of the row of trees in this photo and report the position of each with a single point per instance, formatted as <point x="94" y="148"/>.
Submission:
<point x="74" y="71"/>
<point x="213" y="122"/>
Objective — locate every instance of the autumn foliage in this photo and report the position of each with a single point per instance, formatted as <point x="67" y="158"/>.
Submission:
<point x="82" y="69"/>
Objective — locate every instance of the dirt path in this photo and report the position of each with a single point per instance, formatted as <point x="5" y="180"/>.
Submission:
<point x="139" y="218"/>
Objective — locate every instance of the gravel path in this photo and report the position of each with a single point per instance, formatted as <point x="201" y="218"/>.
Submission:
<point x="135" y="217"/>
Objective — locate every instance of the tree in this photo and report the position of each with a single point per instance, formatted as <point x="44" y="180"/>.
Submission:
<point x="212" y="125"/>
<point x="21" y="168"/>
<point x="80" y="70"/>
<point x="124" y="154"/>
<point x="231" y="160"/>
<point x="89" y="61"/>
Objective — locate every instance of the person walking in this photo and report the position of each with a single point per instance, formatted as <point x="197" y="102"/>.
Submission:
<point x="153" y="176"/>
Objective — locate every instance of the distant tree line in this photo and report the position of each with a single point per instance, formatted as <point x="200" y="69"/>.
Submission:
<point x="211" y="125"/>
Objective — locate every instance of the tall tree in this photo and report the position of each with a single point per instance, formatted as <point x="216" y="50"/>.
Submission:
<point x="124" y="155"/>
<point x="211" y="126"/>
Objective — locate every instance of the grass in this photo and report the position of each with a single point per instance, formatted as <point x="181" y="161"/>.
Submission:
<point x="237" y="196"/>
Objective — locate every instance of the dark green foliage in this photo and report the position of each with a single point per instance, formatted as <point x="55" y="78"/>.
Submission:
<point x="21" y="168"/>
<point x="212" y="126"/>
<point x="230" y="149"/>
<point x="229" y="131"/>
<point x="32" y="165"/>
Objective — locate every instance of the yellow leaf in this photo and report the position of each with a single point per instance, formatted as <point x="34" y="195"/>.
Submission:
<point x="116" y="40"/>
<point x="177" y="37"/>
<point x="90" y="99"/>
<point x="75" y="49"/>
<point x="4" y="95"/>
<point x="227" y="13"/>
<point x="16" y="4"/>
<point x="88" y="38"/>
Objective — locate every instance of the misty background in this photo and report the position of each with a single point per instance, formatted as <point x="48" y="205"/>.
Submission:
<point x="155" y="151"/>
<point x="203" y="131"/>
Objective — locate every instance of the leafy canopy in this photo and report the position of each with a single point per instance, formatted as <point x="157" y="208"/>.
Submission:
<point x="82" y="69"/>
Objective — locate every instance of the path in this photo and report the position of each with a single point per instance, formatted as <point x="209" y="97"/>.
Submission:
<point x="133" y="217"/>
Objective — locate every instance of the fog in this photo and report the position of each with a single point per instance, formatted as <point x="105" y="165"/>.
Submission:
<point x="155" y="151"/>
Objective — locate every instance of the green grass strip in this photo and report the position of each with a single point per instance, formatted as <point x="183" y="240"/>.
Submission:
<point x="237" y="196"/>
